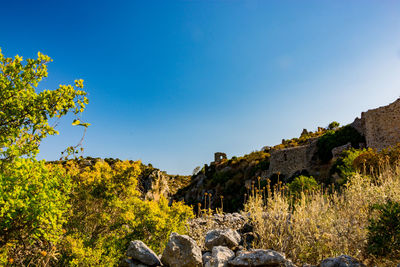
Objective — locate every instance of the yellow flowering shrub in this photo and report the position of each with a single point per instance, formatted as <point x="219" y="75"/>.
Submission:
<point x="107" y="214"/>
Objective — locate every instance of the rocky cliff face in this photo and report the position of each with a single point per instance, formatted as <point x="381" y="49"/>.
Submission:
<point x="154" y="185"/>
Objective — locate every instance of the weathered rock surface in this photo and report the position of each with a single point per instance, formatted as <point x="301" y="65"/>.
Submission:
<point x="154" y="185"/>
<point x="206" y="257"/>
<point x="229" y="238"/>
<point x="182" y="251"/>
<point x="288" y="161"/>
<point x="138" y="250"/>
<point x="260" y="258"/>
<point x="220" y="257"/>
<point x="341" y="261"/>
<point x="380" y="126"/>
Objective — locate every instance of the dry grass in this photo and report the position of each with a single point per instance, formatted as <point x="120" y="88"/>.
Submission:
<point x="319" y="225"/>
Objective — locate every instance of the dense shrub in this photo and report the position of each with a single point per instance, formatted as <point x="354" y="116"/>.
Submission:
<point x="384" y="230"/>
<point x="107" y="213"/>
<point x="33" y="203"/>
<point x="344" y="166"/>
<point x="335" y="138"/>
<point x="333" y="125"/>
<point x="302" y="183"/>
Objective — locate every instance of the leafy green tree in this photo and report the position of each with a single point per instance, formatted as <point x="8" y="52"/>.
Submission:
<point x="25" y="113"/>
<point x="33" y="196"/>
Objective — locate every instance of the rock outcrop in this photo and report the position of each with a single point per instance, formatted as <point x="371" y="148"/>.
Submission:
<point x="154" y="185"/>
<point x="182" y="251"/>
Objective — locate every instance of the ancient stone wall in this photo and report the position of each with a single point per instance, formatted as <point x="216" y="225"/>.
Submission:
<point x="358" y="124"/>
<point x="381" y="126"/>
<point x="291" y="160"/>
<point x="219" y="156"/>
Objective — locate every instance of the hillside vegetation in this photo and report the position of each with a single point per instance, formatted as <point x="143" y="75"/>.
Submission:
<point x="85" y="211"/>
<point x="231" y="179"/>
<point x="360" y="219"/>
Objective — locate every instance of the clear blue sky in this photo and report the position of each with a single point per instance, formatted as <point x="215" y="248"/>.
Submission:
<point x="172" y="82"/>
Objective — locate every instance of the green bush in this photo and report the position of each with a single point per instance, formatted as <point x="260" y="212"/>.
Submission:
<point x="302" y="183"/>
<point x="384" y="230"/>
<point x="333" y="125"/>
<point x="33" y="203"/>
<point x="335" y="138"/>
<point x="344" y="165"/>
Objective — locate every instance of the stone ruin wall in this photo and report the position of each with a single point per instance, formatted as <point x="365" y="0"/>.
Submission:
<point x="291" y="160"/>
<point x="381" y="126"/>
<point x="219" y="156"/>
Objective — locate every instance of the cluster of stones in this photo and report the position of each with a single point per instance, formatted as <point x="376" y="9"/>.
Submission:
<point x="198" y="227"/>
<point x="224" y="248"/>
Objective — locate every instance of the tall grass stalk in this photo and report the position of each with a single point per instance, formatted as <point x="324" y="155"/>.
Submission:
<point x="315" y="225"/>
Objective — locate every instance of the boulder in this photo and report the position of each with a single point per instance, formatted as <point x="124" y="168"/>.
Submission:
<point x="220" y="257"/>
<point x="341" y="261"/>
<point x="229" y="238"/>
<point x="138" y="250"/>
<point x="206" y="257"/>
<point x="260" y="257"/>
<point x="182" y="251"/>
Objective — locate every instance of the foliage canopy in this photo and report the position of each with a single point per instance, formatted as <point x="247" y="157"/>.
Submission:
<point x="24" y="112"/>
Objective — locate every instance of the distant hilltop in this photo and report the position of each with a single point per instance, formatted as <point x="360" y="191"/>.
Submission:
<point x="311" y="154"/>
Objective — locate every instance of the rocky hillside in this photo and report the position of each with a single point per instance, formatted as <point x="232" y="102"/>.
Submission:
<point x="227" y="182"/>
